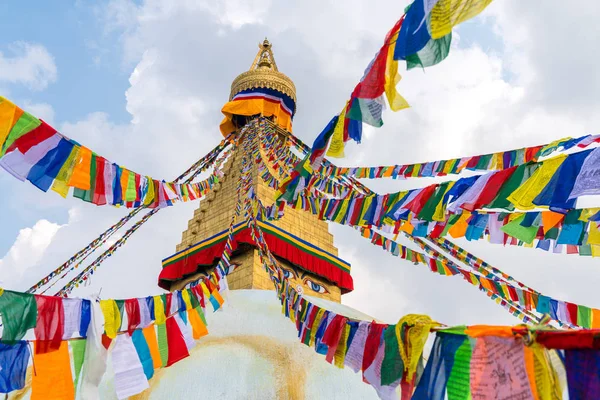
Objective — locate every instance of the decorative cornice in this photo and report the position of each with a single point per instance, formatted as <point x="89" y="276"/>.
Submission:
<point x="263" y="78"/>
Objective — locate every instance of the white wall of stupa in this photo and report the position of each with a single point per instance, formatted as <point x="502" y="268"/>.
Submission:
<point x="252" y="351"/>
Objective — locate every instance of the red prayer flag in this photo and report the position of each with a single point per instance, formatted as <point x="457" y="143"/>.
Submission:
<point x="490" y="190"/>
<point x="132" y="307"/>
<point x="371" y="345"/>
<point x="28" y="140"/>
<point x="332" y="336"/>
<point x="99" y="189"/>
<point x="50" y="323"/>
<point x="416" y="204"/>
<point x="176" y="343"/>
<point x="572" y="312"/>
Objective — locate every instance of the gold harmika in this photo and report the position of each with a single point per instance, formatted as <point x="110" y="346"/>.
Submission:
<point x="263" y="74"/>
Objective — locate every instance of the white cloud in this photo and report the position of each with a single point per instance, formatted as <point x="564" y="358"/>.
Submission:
<point x="30" y="64"/>
<point x="28" y="249"/>
<point x="41" y="110"/>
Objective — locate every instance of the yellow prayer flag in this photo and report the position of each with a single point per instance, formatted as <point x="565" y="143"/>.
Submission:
<point x="594" y="233"/>
<point x="340" y="351"/>
<point x="439" y="214"/>
<point x="523" y="197"/>
<point x="159" y="311"/>
<point x="336" y="146"/>
<point x="112" y="317"/>
<point x="315" y="326"/>
<point x="60" y="185"/>
<point x="185" y="295"/>
<point x="392" y="77"/>
<point x="448" y="13"/>
<point x="149" y="198"/>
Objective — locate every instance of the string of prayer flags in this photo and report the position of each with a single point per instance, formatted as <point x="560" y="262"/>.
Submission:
<point x="422" y="37"/>
<point x="32" y="150"/>
<point x="484" y="162"/>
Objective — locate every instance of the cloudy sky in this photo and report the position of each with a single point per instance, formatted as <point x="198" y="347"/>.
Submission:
<point x="142" y="83"/>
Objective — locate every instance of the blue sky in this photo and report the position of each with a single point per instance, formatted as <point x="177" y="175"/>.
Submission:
<point x="91" y="76"/>
<point x="142" y="84"/>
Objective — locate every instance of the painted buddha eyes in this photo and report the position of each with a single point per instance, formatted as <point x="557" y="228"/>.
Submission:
<point x="314" y="286"/>
<point x="309" y="283"/>
<point x="286" y="273"/>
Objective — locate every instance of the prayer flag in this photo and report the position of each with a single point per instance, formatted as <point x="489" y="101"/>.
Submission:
<point x="52" y="379"/>
<point x="129" y="372"/>
<point x="13" y="364"/>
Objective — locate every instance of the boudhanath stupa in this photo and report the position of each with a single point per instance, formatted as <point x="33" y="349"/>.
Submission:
<point x="252" y="351"/>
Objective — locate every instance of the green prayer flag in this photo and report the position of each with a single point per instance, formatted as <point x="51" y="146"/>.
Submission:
<point x="584" y="316"/>
<point x="121" y="307"/>
<point x="459" y="382"/>
<point x="392" y="366"/>
<point x="201" y="313"/>
<point x="585" y="250"/>
<point x="367" y="111"/>
<point x="515" y="229"/>
<point x="163" y="346"/>
<point x="131" y="191"/>
<point x="431" y="204"/>
<point x="78" y="351"/>
<point x="24" y="125"/>
<point x="552" y="233"/>
<point x="434" y="52"/>
<point x="163" y="298"/>
<point x="193" y="299"/>
<point x="19" y="314"/>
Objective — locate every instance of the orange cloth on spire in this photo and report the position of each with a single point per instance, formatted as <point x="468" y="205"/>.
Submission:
<point x="249" y="107"/>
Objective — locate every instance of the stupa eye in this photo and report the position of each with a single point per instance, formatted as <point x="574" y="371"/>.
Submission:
<point x="314" y="286"/>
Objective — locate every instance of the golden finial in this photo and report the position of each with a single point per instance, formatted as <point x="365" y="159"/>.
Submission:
<point x="264" y="73"/>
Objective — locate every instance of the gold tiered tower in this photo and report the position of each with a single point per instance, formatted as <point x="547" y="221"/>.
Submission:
<point x="216" y="211"/>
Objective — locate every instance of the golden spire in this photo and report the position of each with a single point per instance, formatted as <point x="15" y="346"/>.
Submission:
<point x="263" y="73"/>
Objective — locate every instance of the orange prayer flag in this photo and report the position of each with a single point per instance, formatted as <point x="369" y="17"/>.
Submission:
<point x="80" y="178"/>
<point x="7" y="118"/>
<point x="407" y="227"/>
<point x="459" y="229"/>
<point x="52" y="378"/>
<point x="489" y="330"/>
<point x="550" y="219"/>
<point x="217" y="296"/>
<point x="150" y="335"/>
<point x="595" y="318"/>
<point x="530" y="367"/>
<point x="124" y="181"/>
<point x="198" y="327"/>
